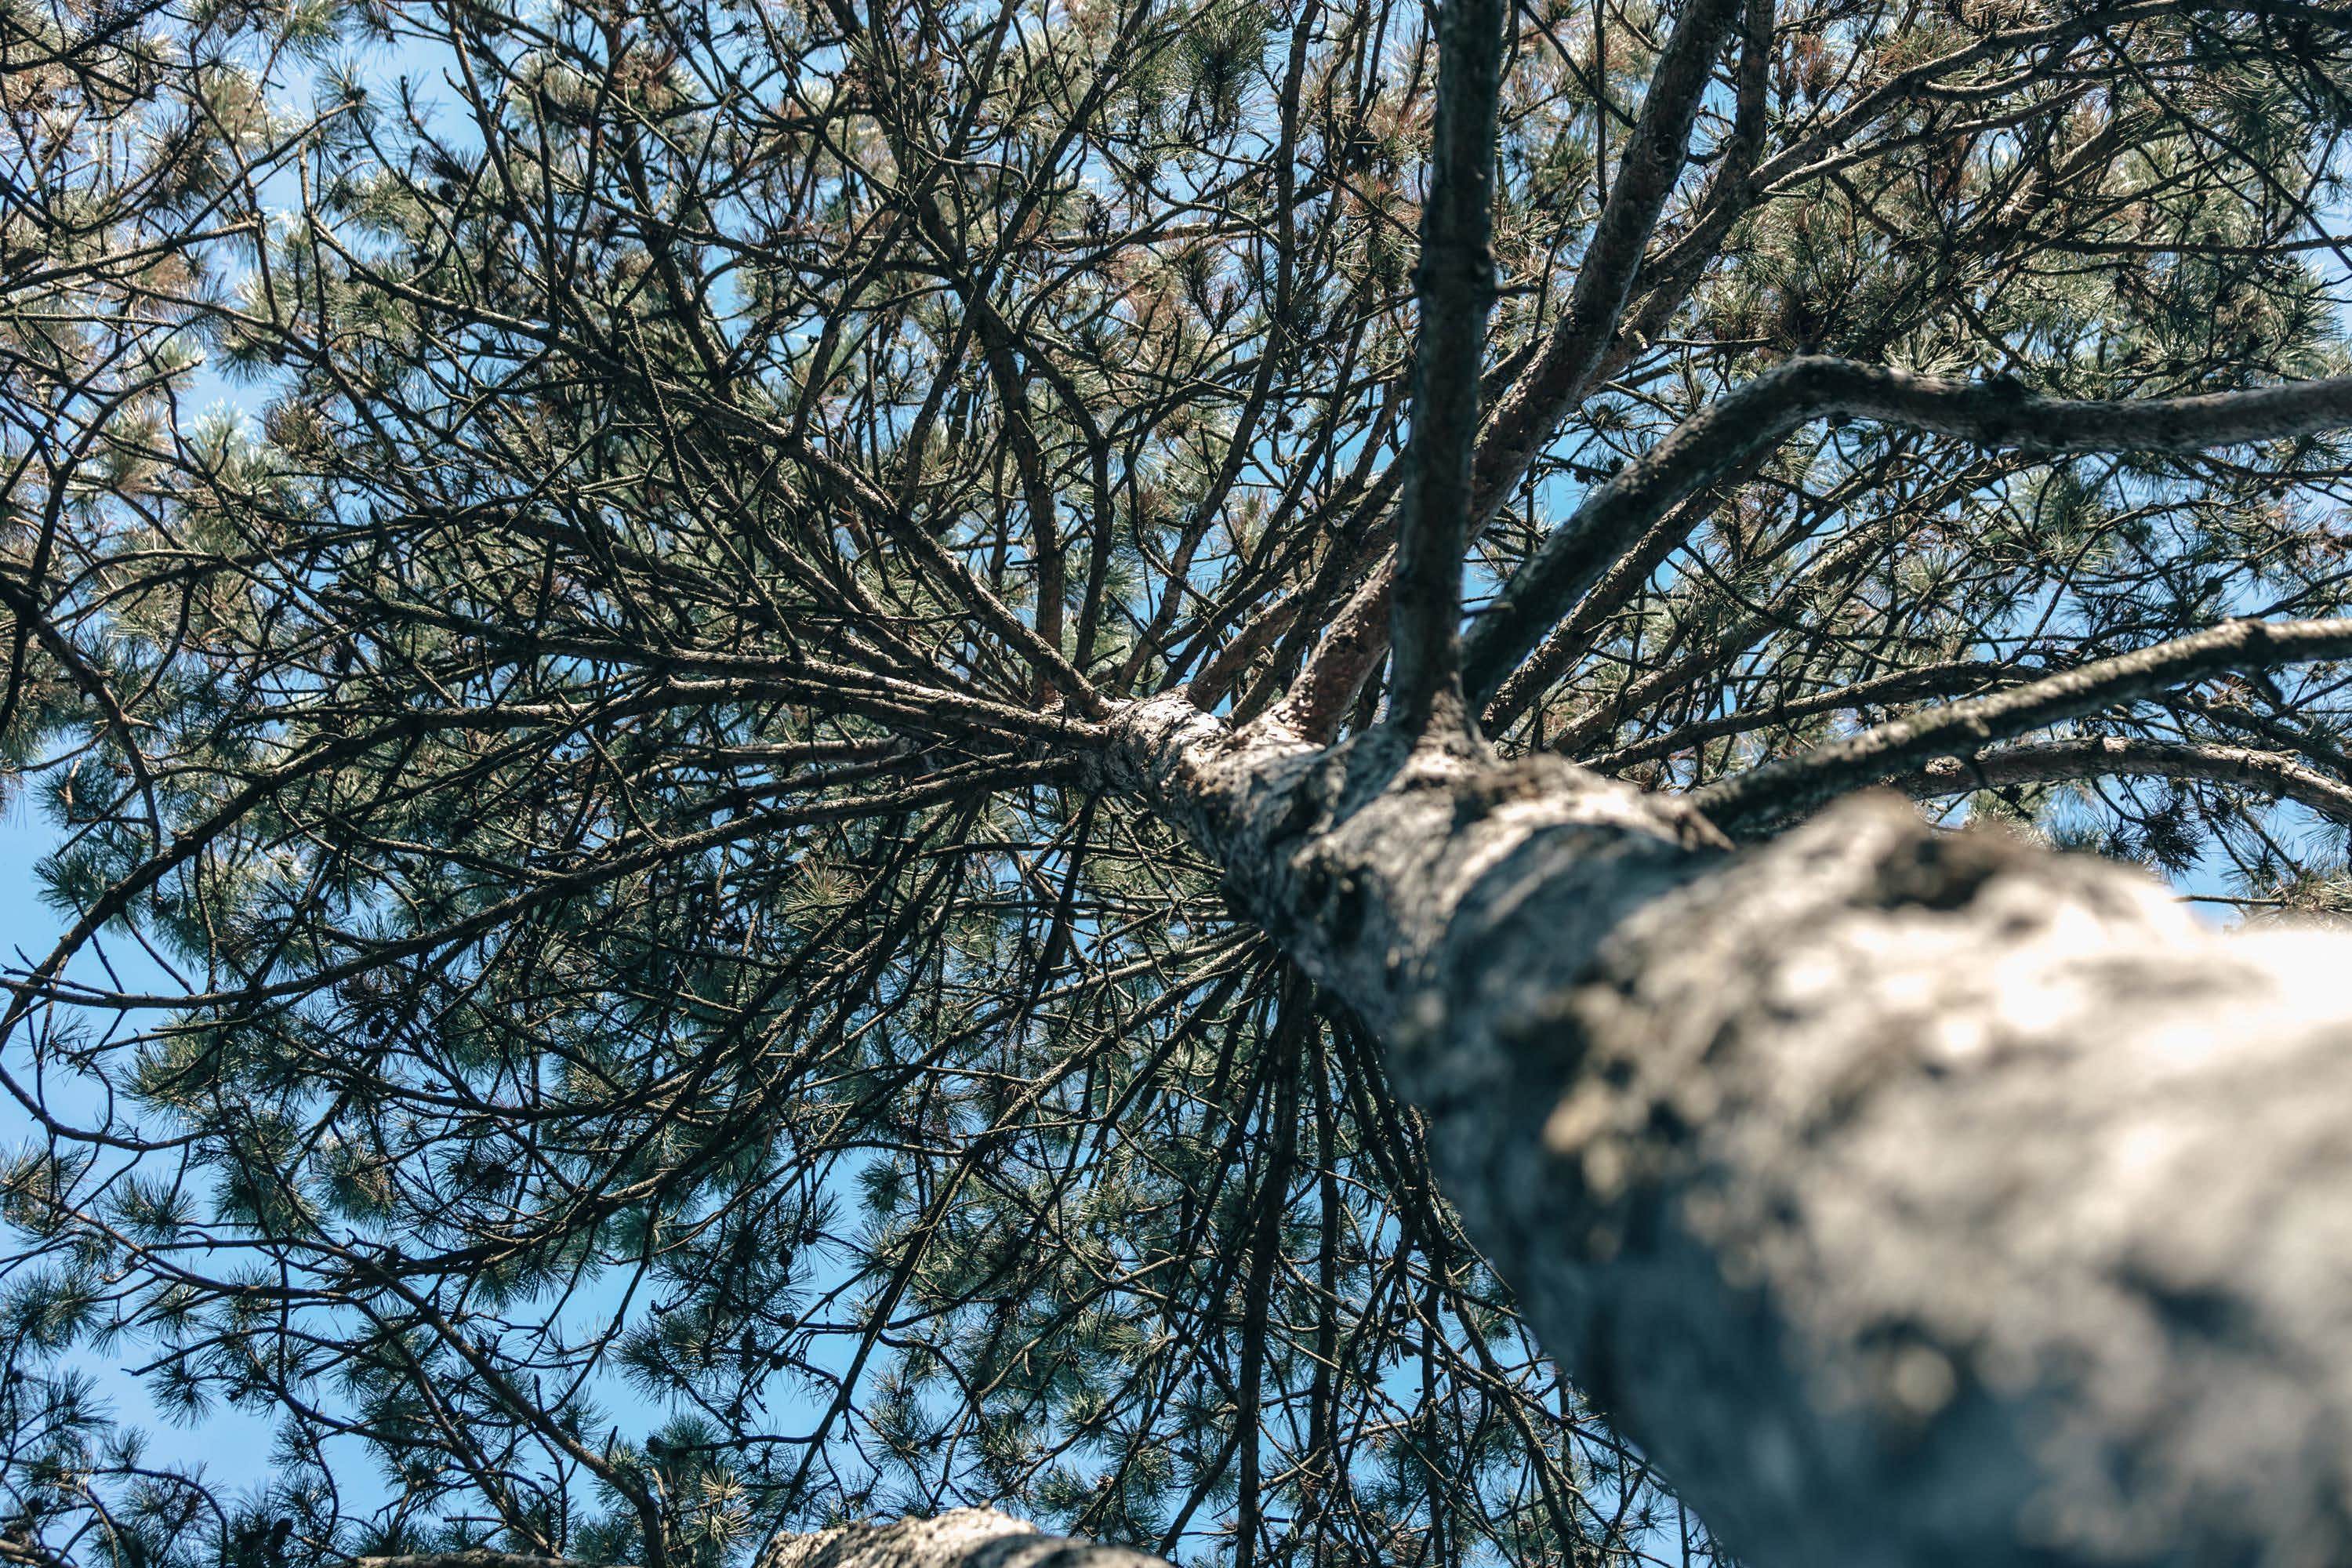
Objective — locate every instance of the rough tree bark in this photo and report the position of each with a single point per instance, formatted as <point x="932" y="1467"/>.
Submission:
<point x="965" y="1538"/>
<point x="1911" y="1198"/>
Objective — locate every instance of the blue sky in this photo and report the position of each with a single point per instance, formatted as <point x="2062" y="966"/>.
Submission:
<point x="231" y="1447"/>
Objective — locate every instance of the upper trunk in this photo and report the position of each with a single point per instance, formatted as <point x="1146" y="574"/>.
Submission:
<point x="1910" y="1198"/>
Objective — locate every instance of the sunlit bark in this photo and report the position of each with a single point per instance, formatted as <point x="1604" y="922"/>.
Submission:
<point x="1909" y="1198"/>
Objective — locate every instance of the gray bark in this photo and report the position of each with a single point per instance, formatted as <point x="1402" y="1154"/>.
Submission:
<point x="2115" y="756"/>
<point x="966" y="1538"/>
<point x="474" y="1558"/>
<point x="1911" y="1198"/>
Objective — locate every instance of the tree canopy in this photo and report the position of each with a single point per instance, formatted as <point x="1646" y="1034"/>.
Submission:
<point x="565" y="572"/>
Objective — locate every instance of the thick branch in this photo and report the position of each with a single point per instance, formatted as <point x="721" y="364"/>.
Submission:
<point x="1797" y="785"/>
<point x="1527" y="415"/>
<point x="2107" y="756"/>
<point x="1668" y="275"/>
<point x="1722" y="436"/>
<point x="1352" y="649"/>
<point x="1455" y="282"/>
<point x="1571" y="354"/>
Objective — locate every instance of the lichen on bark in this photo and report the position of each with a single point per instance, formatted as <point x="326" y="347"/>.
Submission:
<point x="1911" y="1197"/>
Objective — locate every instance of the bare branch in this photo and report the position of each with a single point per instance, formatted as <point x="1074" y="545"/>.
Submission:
<point x="2101" y="756"/>
<point x="1722" y="436"/>
<point x="1455" y="282"/>
<point x="1929" y="681"/>
<point x="1526" y="417"/>
<point x="1043" y="655"/>
<point x="1794" y="787"/>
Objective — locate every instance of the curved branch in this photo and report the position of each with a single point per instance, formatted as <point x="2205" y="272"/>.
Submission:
<point x="1601" y="719"/>
<point x="1797" y="785"/>
<point x="2101" y="756"/>
<point x="1615" y="587"/>
<point x="1720" y="437"/>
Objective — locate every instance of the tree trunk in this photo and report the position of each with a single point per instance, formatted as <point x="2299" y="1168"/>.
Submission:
<point x="966" y="1538"/>
<point x="1910" y="1197"/>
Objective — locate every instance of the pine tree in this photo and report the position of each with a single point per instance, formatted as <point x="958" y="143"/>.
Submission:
<point x="1126" y="759"/>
